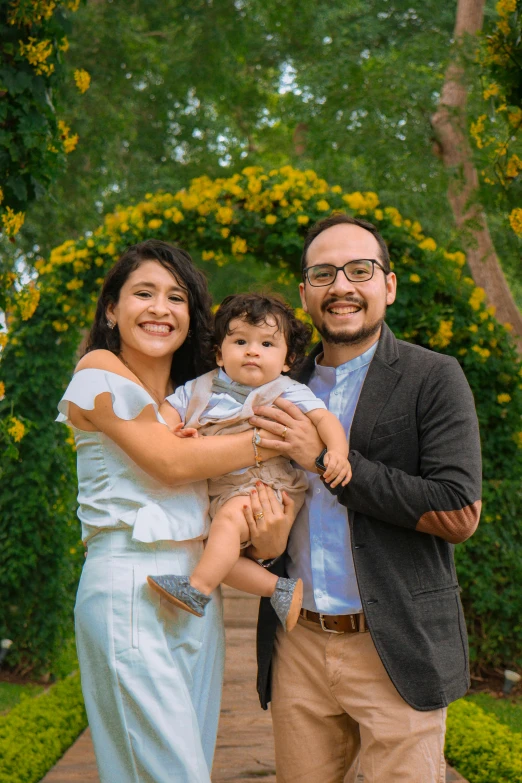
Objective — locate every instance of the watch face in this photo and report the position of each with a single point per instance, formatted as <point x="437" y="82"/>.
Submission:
<point x="319" y="461"/>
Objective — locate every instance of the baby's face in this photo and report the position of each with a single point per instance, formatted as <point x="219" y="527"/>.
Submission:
<point x="253" y="355"/>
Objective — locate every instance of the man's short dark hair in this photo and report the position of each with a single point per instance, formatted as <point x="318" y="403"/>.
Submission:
<point x="254" y="309"/>
<point x="338" y="219"/>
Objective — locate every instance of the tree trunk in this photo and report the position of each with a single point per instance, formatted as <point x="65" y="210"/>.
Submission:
<point x="449" y="124"/>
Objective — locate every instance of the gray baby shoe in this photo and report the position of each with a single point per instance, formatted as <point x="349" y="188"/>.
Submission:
<point x="179" y="591"/>
<point x="287" y="599"/>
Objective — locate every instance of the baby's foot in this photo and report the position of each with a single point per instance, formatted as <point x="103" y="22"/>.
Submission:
<point x="286" y="600"/>
<point x="179" y="591"/>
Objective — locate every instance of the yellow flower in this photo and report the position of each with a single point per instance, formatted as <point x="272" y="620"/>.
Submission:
<point x="155" y="223"/>
<point x="224" y="215"/>
<point x="271" y="219"/>
<point x="59" y="326"/>
<point x="225" y="232"/>
<point x="458" y="257"/>
<point x="1" y="195"/>
<point x="323" y="205"/>
<point x="303" y="220"/>
<point x="443" y="336"/>
<point x="3" y="339"/>
<point x="491" y="90"/>
<point x="69" y="142"/>
<point x="517" y="437"/>
<point x="63" y="46"/>
<point x="505" y="7"/>
<point x="207" y="255"/>
<point x="37" y="53"/>
<point x="394" y="215"/>
<point x="82" y="79"/>
<point x="473" y="328"/>
<point x="514" y="166"/>
<point x="484" y="353"/>
<point x="503" y="399"/>
<point x="16" y="429"/>
<point x="415" y="278"/>
<point x="379" y="214"/>
<point x="2" y="390"/>
<point x="27" y="301"/>
<point x="74" y="284"/>
<point x="477" y="297"/>
<point x="428" y="244"/>
<point x="336" y="189"/>
<point x="238" y="245"/>
<point x="13" y="221"/>
<point x="476" y="129"/>
<point x="515" y="220"/>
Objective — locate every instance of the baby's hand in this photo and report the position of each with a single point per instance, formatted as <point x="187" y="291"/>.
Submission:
<point x="338" y="469"/>
<point x="184" y="432"/>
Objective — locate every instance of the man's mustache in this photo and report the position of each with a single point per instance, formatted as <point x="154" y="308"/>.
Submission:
<point x="346" y="300"/>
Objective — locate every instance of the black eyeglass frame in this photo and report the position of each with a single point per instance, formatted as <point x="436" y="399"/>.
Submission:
<point x="373" y="262"/>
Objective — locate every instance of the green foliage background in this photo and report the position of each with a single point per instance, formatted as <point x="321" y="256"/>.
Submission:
<point x="242" y="230"/>
<point x="194" y="87"/>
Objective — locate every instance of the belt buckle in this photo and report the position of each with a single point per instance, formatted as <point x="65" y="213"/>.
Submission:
<point x="324" y="628"/>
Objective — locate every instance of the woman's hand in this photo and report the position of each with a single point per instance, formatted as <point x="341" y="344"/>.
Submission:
<point x="296" y="436"/>
<point x="269" y="522"/>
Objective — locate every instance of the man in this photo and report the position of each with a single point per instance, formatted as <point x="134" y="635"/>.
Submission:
<point x="363" y="681"/>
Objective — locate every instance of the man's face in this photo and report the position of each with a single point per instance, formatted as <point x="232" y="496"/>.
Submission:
<point x="343" y="312"/>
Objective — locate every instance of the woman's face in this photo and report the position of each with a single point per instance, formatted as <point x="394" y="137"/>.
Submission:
<point x="152" y="312"/>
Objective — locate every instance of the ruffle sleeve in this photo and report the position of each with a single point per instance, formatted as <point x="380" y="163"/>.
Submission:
<point x="128" y="397"/>
<point x="180" y="398"/>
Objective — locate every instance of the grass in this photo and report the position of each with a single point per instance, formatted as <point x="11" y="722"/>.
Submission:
<point x="11" y="694"/>
<point x="507" y="711"/>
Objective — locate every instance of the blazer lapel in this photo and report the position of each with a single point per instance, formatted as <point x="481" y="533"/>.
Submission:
<point x="380" y="381"/>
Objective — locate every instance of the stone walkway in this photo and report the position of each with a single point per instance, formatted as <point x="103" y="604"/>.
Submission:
<point x="245" y="749"/>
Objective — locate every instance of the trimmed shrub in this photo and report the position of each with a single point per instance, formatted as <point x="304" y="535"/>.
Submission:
<point x="37" y="732"/>
<point x="482" y="749"/>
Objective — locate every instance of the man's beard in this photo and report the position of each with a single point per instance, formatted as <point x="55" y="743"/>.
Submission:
<point x="350" y="338"/>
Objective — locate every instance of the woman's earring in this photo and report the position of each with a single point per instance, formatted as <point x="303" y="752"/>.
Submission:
<point x="110" y="323"/>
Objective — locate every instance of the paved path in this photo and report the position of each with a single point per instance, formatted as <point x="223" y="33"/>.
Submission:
<point x="245" y="749"/>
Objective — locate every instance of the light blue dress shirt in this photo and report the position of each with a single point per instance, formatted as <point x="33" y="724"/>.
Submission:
<point x="319" y="549"/>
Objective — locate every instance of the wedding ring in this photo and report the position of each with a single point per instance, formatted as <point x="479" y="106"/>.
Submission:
<point x="258" y="516"/>
<point x="283" y="434"/>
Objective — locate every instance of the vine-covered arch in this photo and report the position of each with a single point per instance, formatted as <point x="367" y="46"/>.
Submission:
<point x="239" y="229"/>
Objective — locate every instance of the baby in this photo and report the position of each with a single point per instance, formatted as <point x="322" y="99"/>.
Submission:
<point x="258" y="338"/>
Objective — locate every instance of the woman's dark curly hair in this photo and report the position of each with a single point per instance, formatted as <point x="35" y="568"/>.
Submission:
<point x="255" y="309"/>
<point x="196" y="355"/>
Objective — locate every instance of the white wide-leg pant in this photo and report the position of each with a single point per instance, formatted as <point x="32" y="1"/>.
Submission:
<point x="151" y="674"/>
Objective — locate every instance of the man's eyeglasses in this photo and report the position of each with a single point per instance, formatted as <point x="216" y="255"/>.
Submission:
<point x="358" y="271"/>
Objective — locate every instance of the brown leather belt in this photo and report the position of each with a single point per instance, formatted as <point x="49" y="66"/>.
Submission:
<point x="336" y="623"/>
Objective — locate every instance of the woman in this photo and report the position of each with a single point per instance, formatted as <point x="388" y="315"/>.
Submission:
<point x="151" y="674"/>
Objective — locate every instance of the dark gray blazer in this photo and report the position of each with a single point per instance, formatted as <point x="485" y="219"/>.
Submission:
<point x="414" y="493"/>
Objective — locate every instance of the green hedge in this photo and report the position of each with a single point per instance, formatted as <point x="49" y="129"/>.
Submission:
<point x="37" y="732"/>
<point x="482" y="749"/>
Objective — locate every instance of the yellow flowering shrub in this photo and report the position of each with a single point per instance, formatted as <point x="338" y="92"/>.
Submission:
<point x="228" y="225"/>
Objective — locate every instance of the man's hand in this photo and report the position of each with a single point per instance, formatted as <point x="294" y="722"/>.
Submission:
<point x="269" y="522"/>
<point x="338" y="469"/>
<point x="296" y="436"/>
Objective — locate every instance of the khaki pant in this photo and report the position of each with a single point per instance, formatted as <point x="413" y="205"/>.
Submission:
<point x="336" y="713"/>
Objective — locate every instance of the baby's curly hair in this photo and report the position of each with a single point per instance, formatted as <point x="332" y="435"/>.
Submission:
<point x="254" y="309"/>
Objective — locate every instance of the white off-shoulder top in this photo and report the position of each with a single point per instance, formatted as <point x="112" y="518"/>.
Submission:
<point x="113" y="492"/>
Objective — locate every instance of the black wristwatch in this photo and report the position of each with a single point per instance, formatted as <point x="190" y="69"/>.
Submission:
<point x="319" y="464"/>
